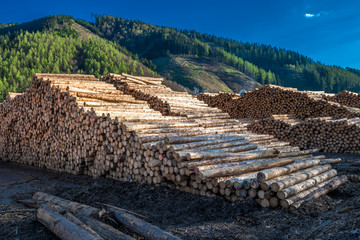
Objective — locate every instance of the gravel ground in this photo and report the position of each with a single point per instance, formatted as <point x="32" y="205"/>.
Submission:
<point x="334" y="216"/>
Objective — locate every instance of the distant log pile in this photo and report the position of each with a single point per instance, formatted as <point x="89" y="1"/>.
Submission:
<point x="78" y="124"/>
<point x="346" y="98"/>
<point x="270" y="99"/>
<point x="326" y="134"/>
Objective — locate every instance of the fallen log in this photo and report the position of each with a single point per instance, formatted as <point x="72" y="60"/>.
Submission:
<point x="78" y="222"/>
<point x="145" y="229"/>
<point x="104" y="230"/>
<point x="60" y="226"/>
<point x="74" y="207"/>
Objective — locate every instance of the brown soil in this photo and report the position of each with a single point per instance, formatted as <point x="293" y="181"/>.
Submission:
<point x="334" y="216"/>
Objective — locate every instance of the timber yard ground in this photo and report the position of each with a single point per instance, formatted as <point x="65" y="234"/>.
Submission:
<point x="334" y="216"/>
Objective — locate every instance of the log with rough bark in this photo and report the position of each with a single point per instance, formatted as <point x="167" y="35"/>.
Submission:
<point x="74" y="207"/>
<point x="60" y="226"/>
<point x="145" y="229"/>
<point x="104" y="230"/>
<point x="333" y="184"/>
<point x="298" y="177"/>
<point x="285" y="193"/>
<point x="71" y="217"/>
<point x="241" y="168"/>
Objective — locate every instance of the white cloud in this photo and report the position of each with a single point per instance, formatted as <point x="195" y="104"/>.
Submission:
<point x="312" y="15"/>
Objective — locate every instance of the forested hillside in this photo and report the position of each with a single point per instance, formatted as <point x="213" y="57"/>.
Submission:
<point x="152" y="42"/>
<point x="62" y="44"/>
<point x="264" y="63"/>
<point x="27" y="51"/>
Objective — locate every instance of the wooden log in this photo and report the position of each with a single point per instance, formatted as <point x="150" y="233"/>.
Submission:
<point x="335" y="183"/>
<point x="330" y="161"/>
<point x="60" y="226"/>
<point x="216" y="154"/>
<point x="178" y="147"/>
<point x="234" y="158"/>
<point x="225" y="171"/>
<point x="104" y="230"/>
<point x="274" y="202"/>
<point x="298" y="153"/>
<point x="275" y="172"/>
<point x="287" y="192"/>
<point x="108" y="98"/>
<point x="141" y="227"/>
<point x="74" y="207"/>
<point x="298" y="177"/>
<point x="180" y="140"/>
<point x="78" y="222"/>
<point x="285" y="203"/>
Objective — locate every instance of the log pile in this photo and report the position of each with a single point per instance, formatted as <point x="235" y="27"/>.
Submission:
<point x="271" y="99"/>
<point x="346" y="98"/>
<point x="78" y="124"/>
<point x="222" y="174"/>
<point x="326" y="134"/>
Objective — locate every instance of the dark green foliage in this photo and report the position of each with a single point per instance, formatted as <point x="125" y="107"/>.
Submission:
<point x="7" y="25"/>
<point x="24" y="53"/>
<point x="40" y="24"/>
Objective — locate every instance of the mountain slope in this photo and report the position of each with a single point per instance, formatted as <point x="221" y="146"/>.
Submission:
<point x="264" y="63"/>
<point x="152" y="42"/>
<point x="203" y="73"/>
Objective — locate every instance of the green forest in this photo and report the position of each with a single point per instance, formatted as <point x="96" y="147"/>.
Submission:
<point x="24" y="53"/>
<point x="62" y="44"/>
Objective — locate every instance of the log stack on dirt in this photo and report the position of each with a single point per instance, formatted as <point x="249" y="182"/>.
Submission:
<point x="271" y="99"/>
<point x="326" y="134"/>
<point x="78" y="124"/>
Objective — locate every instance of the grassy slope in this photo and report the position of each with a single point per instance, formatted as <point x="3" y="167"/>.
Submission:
<point x="203" y="73"/>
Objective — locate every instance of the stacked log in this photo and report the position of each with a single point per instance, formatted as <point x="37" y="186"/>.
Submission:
<point x="222" y="173"/>
<point x="270" y="99"/>
<point x="78" y="124"/>
<point x="13" y="94"/>
<point x="283" y="186"/>
<point x="328" y="135"/>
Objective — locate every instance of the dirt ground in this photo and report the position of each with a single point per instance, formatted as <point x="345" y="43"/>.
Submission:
<point x="334" y="216"/>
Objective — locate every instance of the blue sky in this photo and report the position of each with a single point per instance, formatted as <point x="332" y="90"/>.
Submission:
<point x="325" y="30"/>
